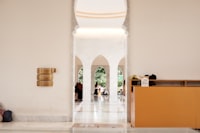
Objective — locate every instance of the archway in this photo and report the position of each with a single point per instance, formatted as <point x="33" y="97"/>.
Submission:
<point x="100" y="65"/>
<point x="80" y="75"/>
<point x="100" y="77"/>
<point x="78" y="89"/>
<point x="120" y="82"/>
<point x="122" y="77"/>
<point x="78" y="70"/>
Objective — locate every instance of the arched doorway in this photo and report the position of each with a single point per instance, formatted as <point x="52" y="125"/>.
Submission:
<point x="80" y="75"/>
<point x="100" y="73"/>
<point x="100" y="77"/>
<point x="78" y="70"/>
<point x="122" y="77"/>
<point x="120" y="82"/>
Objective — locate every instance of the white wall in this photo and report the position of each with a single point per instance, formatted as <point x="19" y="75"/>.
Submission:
<point x="36" y="33"/>
<point x="164" y="38"/>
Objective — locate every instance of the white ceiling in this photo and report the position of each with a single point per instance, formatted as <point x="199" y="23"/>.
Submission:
<point x="100" y="13"/>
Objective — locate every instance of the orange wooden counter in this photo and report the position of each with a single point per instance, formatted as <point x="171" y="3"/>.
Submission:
<point x="166" y="107"/>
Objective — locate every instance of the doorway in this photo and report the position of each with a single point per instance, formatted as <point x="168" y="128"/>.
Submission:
<point x="101" y="46"/>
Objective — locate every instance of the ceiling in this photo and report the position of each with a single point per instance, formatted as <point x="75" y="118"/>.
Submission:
<point x="100" y="13"/>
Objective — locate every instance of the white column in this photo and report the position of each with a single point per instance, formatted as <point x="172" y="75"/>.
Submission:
<point x="107" y="77"/>
<point x="113" y="83"/>
<point x="92" y="78"/>
<point x="86" y="83"/>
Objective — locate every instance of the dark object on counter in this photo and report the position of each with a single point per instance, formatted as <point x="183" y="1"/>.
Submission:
<point x="153" y="76"/>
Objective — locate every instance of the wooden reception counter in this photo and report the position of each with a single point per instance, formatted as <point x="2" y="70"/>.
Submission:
<point x="165" y="106"/>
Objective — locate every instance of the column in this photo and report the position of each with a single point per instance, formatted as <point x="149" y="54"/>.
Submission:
<point x="86" y="83"/>
<point x="113" y="83"/>
<point x="107" y="77"/>
<point x="92" y="78"/>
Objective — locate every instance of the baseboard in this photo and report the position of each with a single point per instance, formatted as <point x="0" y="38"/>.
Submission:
<point x="41" y="118"/>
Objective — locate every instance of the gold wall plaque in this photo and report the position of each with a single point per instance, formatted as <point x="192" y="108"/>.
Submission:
<point x="44" y="83"/>
<point x="45" y="76"/>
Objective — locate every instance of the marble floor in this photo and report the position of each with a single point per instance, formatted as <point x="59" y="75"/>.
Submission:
<point x="100" y="110"/>
<point x="31" y="127"/>
<point x="98" y="116"/>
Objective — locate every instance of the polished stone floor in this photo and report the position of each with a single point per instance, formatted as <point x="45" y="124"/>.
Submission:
<point x="98" y="116"/>
<point x="30" y="127"/>
<point x="100" y="110"/>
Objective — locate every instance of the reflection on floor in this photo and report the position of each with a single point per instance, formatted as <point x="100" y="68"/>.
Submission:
<point x="97" y="125"/>
<point x="100" y="110"/>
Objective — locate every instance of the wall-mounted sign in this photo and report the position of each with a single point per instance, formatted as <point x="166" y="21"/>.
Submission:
<point x="45" y="76"/>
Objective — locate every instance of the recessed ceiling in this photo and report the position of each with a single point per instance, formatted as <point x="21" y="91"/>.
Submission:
<point x="100" y="13"/>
